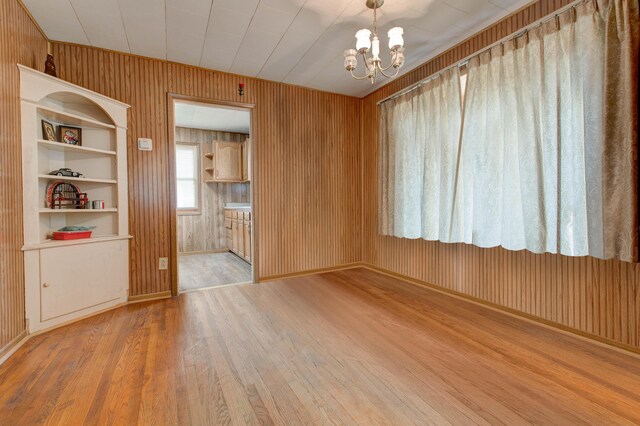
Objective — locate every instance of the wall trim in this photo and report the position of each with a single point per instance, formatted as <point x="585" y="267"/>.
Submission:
<point x="13" y="346"/>
<point x="216" y="251"/>
<point x="149" y="297"/>
<point x="601" y="341"/>
<point x="341" y="267"/>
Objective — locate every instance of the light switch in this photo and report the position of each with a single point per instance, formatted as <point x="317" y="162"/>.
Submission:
<point x="145" y="144"/>
<point x="164" y="263"/>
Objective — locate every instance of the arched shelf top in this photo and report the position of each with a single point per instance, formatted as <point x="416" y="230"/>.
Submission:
<point x="75" y="105"/>
<point x="59" y="96"/>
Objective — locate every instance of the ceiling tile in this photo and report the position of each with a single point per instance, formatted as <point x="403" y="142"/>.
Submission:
<point x="229" y="20"/>
<point x="220" y="49"/>
<point x="185" y="48"/>
<point x="246" y="67"/>
<point x="58" y="20"/>
<point x="102" y="23"/>
<point x="144" y="23"/>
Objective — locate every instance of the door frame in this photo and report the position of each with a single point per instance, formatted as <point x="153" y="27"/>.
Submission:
<point x="173" y="210"/>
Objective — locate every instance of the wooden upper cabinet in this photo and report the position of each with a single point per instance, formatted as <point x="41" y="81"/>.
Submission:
<point x="246" y="162"/>
<point x="228" y="161"/>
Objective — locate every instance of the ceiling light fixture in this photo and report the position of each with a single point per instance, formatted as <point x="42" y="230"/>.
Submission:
<point x="368" y="40"/>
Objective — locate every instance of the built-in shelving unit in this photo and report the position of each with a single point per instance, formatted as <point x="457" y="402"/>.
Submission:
<point x="73" y="278"/>
<point x="208" y="165"/>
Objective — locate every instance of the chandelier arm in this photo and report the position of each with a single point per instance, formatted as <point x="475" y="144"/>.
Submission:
<point x="358" y="78"/>
<point x="393" y="61"/>
<point x="366" y="65"/>
<point x="390" y="76"/>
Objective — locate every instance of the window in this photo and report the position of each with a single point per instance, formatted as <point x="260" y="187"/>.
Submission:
<point x="188" y="183"/>
<point x="539" y="161"/>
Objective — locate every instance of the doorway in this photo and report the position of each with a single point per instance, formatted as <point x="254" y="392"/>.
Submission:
<point x="213" y="216"/>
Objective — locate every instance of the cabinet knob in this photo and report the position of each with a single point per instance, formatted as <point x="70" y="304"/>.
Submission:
<point x="45" y="285"/>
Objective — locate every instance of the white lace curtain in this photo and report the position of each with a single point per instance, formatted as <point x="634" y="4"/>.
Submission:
<point x="547" y="152"/>
<point x="420" y="131"/>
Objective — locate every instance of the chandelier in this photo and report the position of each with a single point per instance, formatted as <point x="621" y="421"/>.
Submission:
<point x="367" y="40"/>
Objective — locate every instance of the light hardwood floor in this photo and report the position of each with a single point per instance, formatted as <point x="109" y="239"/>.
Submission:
<point x="210" y="270"/>
<point x="348" y="347"/>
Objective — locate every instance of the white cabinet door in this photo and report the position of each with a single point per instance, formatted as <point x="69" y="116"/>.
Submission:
<point x="81" y="276"/>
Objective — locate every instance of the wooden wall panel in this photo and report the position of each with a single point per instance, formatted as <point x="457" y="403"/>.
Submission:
<point x="20" y="42"/>
<point x="206" y="231"/>
<point x="596" y="297"/>
<point x="306" y="153"/>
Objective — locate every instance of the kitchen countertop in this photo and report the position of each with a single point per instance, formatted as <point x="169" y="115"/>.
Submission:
<point x="238" y="206"/>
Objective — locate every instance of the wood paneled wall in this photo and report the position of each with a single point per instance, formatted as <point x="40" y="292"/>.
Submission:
<point x="592" y="296"/>
<point x="20" y="42"/>
<point x="206" y="231"/>
<point x="316" y="176"/>
<point x="306" y="154"/>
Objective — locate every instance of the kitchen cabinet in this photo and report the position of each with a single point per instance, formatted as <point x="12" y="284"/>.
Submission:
<point x="238" y="224"/>
<point x="246" y="229"/>
<point x="228" y="162"/>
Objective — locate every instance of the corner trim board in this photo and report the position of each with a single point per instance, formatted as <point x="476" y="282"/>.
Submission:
<point x="313" y="271"/>
<point x="149" y="297"/>
<point x="13" y="346"/>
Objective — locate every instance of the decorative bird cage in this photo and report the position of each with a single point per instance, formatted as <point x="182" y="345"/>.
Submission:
<point x="65" y="195"/>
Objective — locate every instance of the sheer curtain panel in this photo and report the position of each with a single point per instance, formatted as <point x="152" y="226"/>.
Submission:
<point x="547" y="158"/>
<point x="419" y="139"/>
<point x="549" y="148"/>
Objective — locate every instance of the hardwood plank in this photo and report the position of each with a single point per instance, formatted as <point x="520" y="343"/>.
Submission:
<point x="346" y="347"/>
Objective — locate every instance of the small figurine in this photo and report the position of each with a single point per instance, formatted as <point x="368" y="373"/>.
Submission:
<point x="49" y="65"/>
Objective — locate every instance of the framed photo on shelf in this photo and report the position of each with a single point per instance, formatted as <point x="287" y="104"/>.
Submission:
<point x="48" y="131"/>
<point x="70" y="135"/>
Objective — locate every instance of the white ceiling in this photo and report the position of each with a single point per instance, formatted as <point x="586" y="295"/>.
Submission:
<point x="292" y="41"/>
<point x="195" y="115"/>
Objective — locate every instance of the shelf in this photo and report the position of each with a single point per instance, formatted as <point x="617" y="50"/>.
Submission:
<point x="208" y="155"/>
<point x="72" y="119"/>
<point x="59" y="146"/>
<point x="61" y="243"/>
<point x="65" y="211"/>
<point x="75" y="179"/>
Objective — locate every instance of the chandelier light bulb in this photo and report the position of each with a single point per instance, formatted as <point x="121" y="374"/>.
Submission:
<point x="350" y="60"/>
<point x="395" y="38"/>
<point x="363" y="40"/>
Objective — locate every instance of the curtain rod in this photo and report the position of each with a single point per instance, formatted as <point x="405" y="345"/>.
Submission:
<point x="466" y="59"/>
